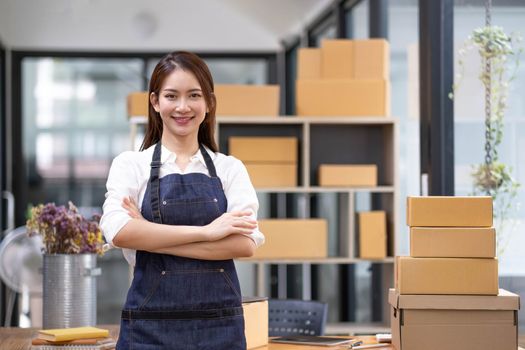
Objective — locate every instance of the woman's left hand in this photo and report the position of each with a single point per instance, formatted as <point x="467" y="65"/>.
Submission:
<point x="129" y="204"/>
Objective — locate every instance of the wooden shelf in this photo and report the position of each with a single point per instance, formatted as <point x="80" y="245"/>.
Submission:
<point x="329" y="260"/>
<point x="323" y="140"/>
<point x="317" y="189"/>
<point x="306" y="120"/>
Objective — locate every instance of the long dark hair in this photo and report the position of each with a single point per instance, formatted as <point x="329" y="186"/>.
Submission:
<point x="194" y="64"/>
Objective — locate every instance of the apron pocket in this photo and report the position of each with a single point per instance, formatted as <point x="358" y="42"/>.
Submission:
<point x="192" y="289"/>
<point x="198" y="211"/>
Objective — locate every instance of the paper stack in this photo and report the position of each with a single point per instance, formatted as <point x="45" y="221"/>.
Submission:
<point x="81" y="338"/>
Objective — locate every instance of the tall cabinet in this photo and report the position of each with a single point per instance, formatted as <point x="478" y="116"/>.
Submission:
<point x="323" y="140"/>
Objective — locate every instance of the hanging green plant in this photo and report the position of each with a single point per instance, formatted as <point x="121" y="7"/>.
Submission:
<point x="500" y="54"/>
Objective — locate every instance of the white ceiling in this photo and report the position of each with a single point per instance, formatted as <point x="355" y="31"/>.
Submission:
<point x="154" y="25"/>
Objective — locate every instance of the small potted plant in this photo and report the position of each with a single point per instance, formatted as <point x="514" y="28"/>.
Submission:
<point x="71" y="244"/>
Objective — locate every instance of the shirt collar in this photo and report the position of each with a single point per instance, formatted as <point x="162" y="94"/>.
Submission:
<point x="168" y="156"/>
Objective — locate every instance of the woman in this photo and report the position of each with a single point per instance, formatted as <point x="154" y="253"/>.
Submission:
<point x="197" y="212"/>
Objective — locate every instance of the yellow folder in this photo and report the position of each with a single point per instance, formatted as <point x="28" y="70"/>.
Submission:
<point x="63" y="334"/>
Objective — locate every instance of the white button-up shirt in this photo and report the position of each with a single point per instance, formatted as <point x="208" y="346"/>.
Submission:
<point x="130" y="172"/>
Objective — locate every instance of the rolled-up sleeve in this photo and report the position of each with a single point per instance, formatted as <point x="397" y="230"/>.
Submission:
<point x="242" y="196"/>
<point x="122" y="182"/>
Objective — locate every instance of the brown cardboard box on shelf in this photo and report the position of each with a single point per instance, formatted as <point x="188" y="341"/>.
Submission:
<point x="309" y="63"/>
<point x="348" y="175"/>
<point x="371" y="59"/>
<point x="247" y="100"/>
<point x="439" y="211"/>
<point x="272" y="174"/>
<point x="372" y="235"/>
<point x="454" y="322"/>
<point x="293" y="239"/>
<point x="337" y="59"/>
<point x="138" y="104"/>
<point x="343" y="97"/>
<point x="453" y="242"/>
<point x="255" y="321"/>
<point x="264" y="149"/>
<point x="446" y="276"/>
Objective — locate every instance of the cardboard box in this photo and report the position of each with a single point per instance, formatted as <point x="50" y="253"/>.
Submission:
<point x="446" y="276"/>
<point x="348" y="175"/>
<point x="272" y="174"/>
<point x="138" y="104"/>
<point x="452" y="322"/>
<point x="255" y="321"/>
<point x="247" y="100"/>
<point x="337" y="57"/>
<point x="264" y="149"/>
<point x="293" y="239"/>
<point x="439" y="211"/>
<point x="372" y="235"/>
<point x="371" y="59"/>
<point x="453" y="242"/>
<point x="309" y="63"/>
<point x="342" y="97"/>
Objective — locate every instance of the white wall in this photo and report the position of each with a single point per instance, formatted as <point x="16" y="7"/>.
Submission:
<point x="153" y="25"/>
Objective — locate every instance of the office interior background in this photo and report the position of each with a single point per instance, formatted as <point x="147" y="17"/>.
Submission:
<point x="67" y="67"/>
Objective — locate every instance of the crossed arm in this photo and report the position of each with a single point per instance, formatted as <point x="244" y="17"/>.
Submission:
<point x="224" y="238"/>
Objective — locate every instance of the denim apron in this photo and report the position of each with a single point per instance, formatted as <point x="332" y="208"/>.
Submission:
<point x="176" y="302"/>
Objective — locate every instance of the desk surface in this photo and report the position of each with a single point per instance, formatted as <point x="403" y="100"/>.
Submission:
<point x="20" y="339"/>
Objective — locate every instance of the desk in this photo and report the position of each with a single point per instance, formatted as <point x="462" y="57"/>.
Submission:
<point x="20" y="339"/>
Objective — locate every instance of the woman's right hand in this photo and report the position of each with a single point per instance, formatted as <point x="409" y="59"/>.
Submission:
<point x="236" y="222"/>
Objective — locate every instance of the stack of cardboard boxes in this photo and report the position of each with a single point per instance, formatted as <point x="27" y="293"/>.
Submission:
<point x="446" y="294"/>
<point x="271" y="161"/>
<point x="344" y="78"/>
<point x="293" y="239"/>
<point x="137" y="104"/>
<point x="247" y="100"/>
<point x="348" y="175"/>
<point x="232" y="100"/>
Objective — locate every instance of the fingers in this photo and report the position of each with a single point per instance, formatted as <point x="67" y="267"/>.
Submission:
<point x="131" y="207"/>
<point x="241" y="213"/>
<point x="239" y="216"/>
<point x="245" y="223"/>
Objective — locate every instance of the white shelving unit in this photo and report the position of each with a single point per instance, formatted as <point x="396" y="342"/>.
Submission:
<point x="359" y="140"/>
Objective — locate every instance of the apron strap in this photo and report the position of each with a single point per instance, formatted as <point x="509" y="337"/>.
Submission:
<point x="208" y="161"/>
<point x="154" y="183"/>
<point x="154" y="180"/>
<point x="181" y="314"/>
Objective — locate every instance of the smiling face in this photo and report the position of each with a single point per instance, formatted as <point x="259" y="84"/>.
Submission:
<point x="181" y="104"/>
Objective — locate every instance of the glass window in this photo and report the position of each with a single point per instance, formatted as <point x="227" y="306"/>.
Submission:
<point x="73" y="111"/>
<point x="74" y="124"/>
<point x="328" y="32"/>
<point x="469" y="131"/>
<point x="356" y="19"/>
<point x="469" y="123"/>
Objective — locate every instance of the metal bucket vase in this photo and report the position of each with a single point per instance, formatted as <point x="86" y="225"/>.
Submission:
<point x="70" y="290"/>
